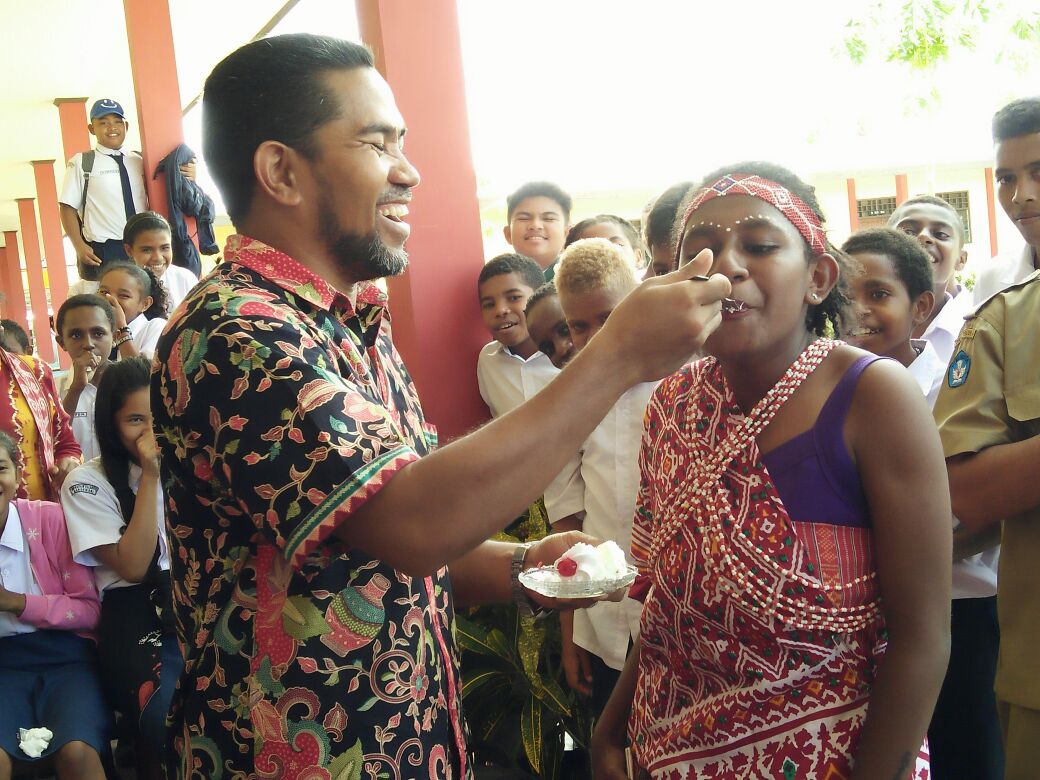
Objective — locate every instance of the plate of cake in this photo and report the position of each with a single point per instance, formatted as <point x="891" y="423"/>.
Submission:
<point x="583" y="572"/>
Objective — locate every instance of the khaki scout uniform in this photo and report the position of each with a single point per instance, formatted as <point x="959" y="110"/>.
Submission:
<point x="991" y="396"/>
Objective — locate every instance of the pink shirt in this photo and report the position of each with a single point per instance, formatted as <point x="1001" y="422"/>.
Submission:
<point x="68" y="600"/>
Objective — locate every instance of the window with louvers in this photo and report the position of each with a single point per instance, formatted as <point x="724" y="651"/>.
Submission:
<point x="959" y="201"/>
<point x="874" y="212"/>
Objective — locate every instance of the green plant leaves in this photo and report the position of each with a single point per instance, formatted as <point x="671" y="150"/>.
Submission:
<point x="531" y="733"/>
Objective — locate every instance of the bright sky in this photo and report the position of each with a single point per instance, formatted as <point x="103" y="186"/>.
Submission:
<point x="614" y="95"/>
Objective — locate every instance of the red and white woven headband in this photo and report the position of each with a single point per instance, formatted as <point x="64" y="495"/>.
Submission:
<point x="786" y="202"/>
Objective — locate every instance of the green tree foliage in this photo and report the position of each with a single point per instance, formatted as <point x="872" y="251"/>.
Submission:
<point x="924" y="33"/>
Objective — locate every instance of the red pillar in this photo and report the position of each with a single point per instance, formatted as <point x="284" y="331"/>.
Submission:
<point x="417" y="49"/>
<point x="850" y="184"/>
<point x="902" y="189"/>
<point x="34" y="272"/>
<point x="6" y="288"/>
<point x="150" y="38"/>
<point x="14" y="306"/>
<point x="991" y="212"/>
<point x="72" y="114"/>
<point x="50" y="227"/>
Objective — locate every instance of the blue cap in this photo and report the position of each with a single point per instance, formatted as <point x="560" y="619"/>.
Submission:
<point x="104" y="107"/>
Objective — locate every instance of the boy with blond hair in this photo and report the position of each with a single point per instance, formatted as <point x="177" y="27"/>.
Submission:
<point x="592" y="279"/>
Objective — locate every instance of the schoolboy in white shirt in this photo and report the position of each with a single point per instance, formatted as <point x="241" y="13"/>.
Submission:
<point x="592" y="277"/>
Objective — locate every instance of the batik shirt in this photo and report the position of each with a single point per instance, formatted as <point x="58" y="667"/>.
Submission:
<point x="280" y="409"/>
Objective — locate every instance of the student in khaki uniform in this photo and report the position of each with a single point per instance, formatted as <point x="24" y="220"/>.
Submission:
<point x="988" y="413"/>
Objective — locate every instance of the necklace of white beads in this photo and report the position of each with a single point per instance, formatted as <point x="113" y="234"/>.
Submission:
<point x="724" y="547"/>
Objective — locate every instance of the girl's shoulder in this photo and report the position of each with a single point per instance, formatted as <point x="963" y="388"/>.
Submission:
<point x="875" y="383"/>
<point x="845" y="364"/>
<point x="48" y="515"/>
<point x="88" y="477"/>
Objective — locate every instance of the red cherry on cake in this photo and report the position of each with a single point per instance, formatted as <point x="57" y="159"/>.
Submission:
<point x="567" y="567"/>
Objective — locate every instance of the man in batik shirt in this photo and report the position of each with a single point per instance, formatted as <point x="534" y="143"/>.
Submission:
<point x="309" y="535"/>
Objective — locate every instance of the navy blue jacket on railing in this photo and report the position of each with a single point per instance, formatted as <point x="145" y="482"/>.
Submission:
<point x="187" y="198"/>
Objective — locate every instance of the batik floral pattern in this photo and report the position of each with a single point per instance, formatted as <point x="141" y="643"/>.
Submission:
<point x="281" y="407"/>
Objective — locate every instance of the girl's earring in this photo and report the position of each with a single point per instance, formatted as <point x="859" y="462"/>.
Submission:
<point x="816" y="297"/>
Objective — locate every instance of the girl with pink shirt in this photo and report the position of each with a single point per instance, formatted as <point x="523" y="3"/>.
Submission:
<point x="48" y="662"/>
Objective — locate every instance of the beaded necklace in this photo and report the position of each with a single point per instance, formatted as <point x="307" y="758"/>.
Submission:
<point x="725" y="548"/>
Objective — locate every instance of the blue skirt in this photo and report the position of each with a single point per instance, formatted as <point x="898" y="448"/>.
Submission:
<point x="49" y="678"/>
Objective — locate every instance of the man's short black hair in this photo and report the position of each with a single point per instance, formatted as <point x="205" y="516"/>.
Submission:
<point x="528" y="270"/>
<point x="1019" y="117"/>
<point x="272" y="89"/>
<point x="912" y="264"/>
<point x="536" y="189"/>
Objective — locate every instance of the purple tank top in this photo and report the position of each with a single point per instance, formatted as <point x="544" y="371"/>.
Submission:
<point x="814" y="473"/>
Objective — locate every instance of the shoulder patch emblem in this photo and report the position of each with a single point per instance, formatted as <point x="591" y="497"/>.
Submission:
<point x="957" y="374"/>
<point x="83" y="487"/>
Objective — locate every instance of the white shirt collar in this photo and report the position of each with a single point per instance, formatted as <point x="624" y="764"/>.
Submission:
<point x="13" y="539"/>
<point x="951" y="317"/>
<point x="110" y="152"/>
<point x="926" y="365"/>
<point x="502" y="349"/>
<point x="137" y="324"/>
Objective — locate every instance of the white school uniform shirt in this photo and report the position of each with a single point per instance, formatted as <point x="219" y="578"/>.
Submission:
<point x="83" y="427"/>
<point x="506" y="381"/>
<point x="608" y="485"/>
<point x="974" y="577"/>
<point x="942" y="332"/>
<point x="104" y="216"/>
<point x="178" y="282"/>
<point x="927" y="370"/>
<point x="145" y="333"/>
<point x="1006" y="270"/>
<point x="15" y="571"/>
<point x="94" y="519"/>
<point x="84" y="287"/>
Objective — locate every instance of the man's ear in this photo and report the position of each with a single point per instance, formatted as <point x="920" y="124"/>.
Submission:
<point x="961" y="261"/>
<point x="148" y="300"/>
<point x="922" y="308"/>
<point x="90" y="128"/>
<point x="508" y="235"/>
<point x="276" y="168"/>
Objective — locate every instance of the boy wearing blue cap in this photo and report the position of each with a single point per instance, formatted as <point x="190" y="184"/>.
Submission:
<point x="103" y="188"/>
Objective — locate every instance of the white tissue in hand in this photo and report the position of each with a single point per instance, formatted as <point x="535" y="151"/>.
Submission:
<point x="33" y="742"/>
<point x="604" y="562"/>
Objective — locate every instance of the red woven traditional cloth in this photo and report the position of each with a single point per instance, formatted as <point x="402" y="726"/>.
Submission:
<point x="760" y="635"/>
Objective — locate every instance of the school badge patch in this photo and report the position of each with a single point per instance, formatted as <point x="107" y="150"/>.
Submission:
<point x="957" y="374"/>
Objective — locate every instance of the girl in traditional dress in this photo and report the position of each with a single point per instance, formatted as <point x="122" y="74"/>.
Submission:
<point x="793" y="526"/>
<point x="31" y="413"/>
